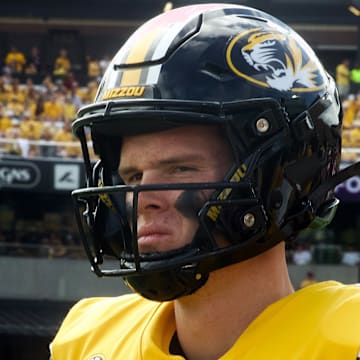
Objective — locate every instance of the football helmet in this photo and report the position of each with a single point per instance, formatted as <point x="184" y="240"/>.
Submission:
<point x="255" y="78"/>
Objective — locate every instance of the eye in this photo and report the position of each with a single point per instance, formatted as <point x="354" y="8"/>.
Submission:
<point x="133" y="178"/>
<point x="182" y="169"/>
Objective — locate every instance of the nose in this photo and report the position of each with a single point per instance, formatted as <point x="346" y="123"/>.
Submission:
<point x="150" y="200"/>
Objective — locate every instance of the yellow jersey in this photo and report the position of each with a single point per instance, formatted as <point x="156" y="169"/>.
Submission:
<point x="321" y="321"/>
<point x="342" y="75"/>
<point x="16" y="59"/>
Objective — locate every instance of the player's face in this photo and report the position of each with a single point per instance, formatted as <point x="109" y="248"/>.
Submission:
<point x="192" y="154"/>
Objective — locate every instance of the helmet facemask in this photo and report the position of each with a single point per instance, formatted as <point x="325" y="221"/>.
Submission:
<point x="260" y="137"/>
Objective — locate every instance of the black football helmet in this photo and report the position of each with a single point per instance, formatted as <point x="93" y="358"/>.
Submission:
<point x="256" y="79"/>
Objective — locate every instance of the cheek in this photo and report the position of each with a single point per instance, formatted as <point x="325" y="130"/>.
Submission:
<point x="184" y="230"/>
<point x="190" y="202"/>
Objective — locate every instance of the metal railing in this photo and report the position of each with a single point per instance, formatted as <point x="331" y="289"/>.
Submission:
<point x="27" y="148"/>
<point x="41" y="250"/>
<point x="57" y="148"/>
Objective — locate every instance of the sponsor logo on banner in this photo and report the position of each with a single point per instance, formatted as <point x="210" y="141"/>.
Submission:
<point x="66" y="176"/>
<point x="349" y="190"/>
<point x="18" y="174"/>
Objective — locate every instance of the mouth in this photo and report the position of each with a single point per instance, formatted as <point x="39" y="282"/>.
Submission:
<point x="153" y="240"/>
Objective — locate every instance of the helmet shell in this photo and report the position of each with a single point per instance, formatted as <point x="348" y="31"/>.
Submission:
<point x="214" y="52"/>
<point x="251" y="75"/>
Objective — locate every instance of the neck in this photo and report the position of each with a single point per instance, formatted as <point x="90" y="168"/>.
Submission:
<point x="210" y="321"/>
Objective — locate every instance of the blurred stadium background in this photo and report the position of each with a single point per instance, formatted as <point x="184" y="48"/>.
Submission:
<point x="51" y="58"/>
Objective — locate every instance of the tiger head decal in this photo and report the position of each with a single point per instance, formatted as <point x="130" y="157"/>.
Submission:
<point x="274" y="60"/>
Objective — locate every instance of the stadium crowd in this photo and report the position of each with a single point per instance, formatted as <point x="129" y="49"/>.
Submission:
<point x="52" y="236"/>
<point x="348" y="83"/>
<point x="39" y="101"/>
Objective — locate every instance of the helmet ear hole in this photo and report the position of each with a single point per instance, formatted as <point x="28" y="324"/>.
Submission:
<point x="276" y="199"/>
<point x="304" y="171"/>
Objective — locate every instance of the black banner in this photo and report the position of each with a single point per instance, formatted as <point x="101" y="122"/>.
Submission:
<point x="41" y="175"/>
<point x="57" y="175"/>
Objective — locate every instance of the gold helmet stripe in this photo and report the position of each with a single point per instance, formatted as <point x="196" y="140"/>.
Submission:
<point x="137" y="55"/>
<point x="142" y="45"/>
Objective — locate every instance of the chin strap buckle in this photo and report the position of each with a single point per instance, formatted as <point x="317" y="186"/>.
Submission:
<point x="324" y="215"/>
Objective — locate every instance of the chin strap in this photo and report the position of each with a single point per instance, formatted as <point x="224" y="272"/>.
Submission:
<point x="335" y="180"/>
<point x="326" y="212"/>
